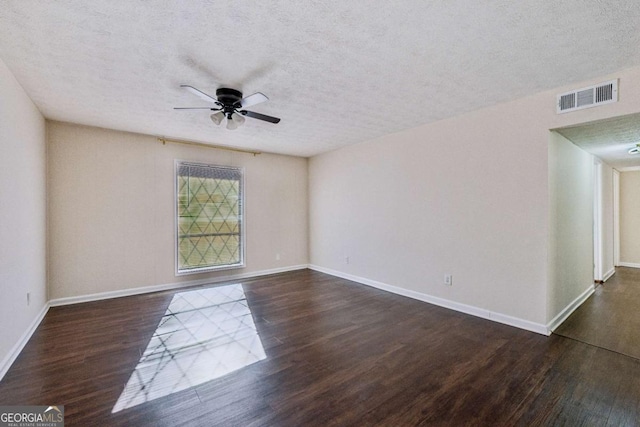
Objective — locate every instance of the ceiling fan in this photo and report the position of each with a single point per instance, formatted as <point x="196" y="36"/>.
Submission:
<point x="230" y="104"/>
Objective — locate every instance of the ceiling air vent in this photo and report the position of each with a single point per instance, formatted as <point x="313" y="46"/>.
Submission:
<point x="603" y="93"/>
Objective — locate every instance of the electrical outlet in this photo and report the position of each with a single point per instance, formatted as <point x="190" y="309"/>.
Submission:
<point x="346" y="260"/>
<point x="28" y="298"/>
<point x="448" y="279"/>
<point x="277" y="257"/>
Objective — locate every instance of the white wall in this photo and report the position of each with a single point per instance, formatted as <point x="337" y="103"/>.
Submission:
<point x="111" y="210"/>
<point x="467" y="196"/>
<point x="571" y="196"/>
<point x="22" y="213"/>
<point x="630" y="219"/>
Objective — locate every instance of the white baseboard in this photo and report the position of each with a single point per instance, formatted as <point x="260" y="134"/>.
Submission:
<point x="168" y="286"/>
<point x="24" y="339"/>
<point x="629" y="264"/>
<point x="570" y="308"/>
<point x="463" y="308"/>
<point x="608" y="274"/>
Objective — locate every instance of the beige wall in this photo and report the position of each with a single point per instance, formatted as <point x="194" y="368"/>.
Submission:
<point x="22" y="213"/>
<point x="111" y="209"/>
<point x="630" y="218"/>
<point x="571" y="193"/>
<point x="467" y="196"/>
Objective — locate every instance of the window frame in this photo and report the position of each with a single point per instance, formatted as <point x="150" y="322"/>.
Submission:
<point x="176" y="241"/>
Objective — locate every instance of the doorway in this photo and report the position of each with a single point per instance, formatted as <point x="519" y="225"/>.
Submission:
<point x="609" y="318"/>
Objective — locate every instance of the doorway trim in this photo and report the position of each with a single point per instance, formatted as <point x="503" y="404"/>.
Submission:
<point x="616" y="218"/>
<point x="597" y="221"/>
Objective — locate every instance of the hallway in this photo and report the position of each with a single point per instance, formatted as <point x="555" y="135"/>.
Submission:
<point x="610" y="318"/>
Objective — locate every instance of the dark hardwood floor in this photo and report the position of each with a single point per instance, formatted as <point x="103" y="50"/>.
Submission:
<point x="305" y="348"/>
<point x="611" y="317"/>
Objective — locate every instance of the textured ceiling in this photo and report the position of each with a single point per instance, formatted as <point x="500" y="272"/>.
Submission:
<point x="337" y="72"/>
<point x="609" y="139"/>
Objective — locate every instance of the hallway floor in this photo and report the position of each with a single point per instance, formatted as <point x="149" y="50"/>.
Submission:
<point x="610" y="318"/>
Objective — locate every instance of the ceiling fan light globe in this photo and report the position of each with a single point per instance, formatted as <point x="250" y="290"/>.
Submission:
<point x="237" y="118"/>
<point x="217" y="117"/>
<point x="231" y="124"/>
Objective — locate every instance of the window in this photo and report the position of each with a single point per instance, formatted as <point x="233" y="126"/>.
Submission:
<point x="209" y="217"/>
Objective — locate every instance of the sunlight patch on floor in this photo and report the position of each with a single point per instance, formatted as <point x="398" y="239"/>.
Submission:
<point x="204" y="334"/>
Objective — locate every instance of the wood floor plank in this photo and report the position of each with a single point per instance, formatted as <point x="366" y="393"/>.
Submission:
<point x="318" y="350"/>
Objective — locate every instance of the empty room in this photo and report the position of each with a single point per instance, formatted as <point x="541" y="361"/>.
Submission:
<point x="319" y="213"/>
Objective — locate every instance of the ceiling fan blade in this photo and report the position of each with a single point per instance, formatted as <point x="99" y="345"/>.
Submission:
<point x="254" y="99"/>
<point x="259" y="116"/>
<point x="197" y="108"/>
<point x="200" y="93"/>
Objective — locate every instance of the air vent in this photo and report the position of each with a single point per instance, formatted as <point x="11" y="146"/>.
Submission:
<point x="603" y="93"/>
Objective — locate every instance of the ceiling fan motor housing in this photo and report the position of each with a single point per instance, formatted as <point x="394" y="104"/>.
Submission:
<point x="228" y="96"/>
